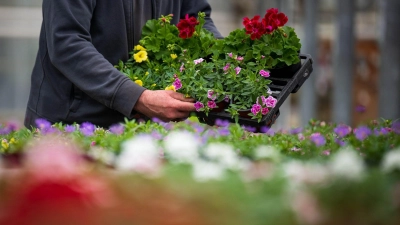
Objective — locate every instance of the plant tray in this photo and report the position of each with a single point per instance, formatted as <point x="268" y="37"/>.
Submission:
<point x="281" y="88"/>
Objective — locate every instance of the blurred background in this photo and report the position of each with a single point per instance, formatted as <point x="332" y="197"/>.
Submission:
<point x="354" y="44"/>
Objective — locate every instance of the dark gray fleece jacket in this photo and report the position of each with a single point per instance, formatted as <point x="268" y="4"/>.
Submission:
<point x="74" y="79"/>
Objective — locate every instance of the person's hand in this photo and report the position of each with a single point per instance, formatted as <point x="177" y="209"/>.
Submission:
<point x="164" y="105"/>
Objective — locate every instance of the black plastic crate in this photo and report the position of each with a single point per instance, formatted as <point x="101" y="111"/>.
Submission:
<point x="281" y="88"/>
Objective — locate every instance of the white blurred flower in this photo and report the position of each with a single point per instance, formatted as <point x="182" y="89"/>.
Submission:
<point x="222" y="154"/>
<point x="139" y="154"/>
<point x="301" y="173"/>
<point x="267" y="152"/>
<point x="391" y="160"/>
<point x="181" y="146"/>
<point x="206" y="170"/>
<point x="347" y="164"/>
<point x="102" y="155"/>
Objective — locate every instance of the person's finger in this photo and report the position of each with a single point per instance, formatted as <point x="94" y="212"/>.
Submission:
<point x="180" y="97"/>
<point x="185" y="106"/>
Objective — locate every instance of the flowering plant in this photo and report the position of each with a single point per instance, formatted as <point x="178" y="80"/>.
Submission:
<point x="234" y="70"/>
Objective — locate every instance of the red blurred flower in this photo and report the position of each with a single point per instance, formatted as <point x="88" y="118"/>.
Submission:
<point x="187" y="26"/>
<point x="273" y="19"/>
<point x="254" y="27"/>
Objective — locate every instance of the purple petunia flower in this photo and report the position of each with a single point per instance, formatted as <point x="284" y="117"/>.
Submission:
<point x="396" y="127"/>
<point x="177" y="84"/>
<point x="318" y="139"/>
<point x="87" y="128"/>
<point x="69" y="128"/>
<point x="264" y="73"/>
<point x="198" y="106"/>
<point x="211" y="104"/>
<point x="362" y="132"/>
<point x="238" y="69"/>
<point x="117" y="129"/>
<point x="342" y="130"/>
<point x="255" y="109"/>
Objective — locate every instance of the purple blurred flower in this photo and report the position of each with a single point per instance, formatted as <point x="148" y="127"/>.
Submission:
<point x="381" y="131"/>
<point x="87" y="128"/>
<point x="340" y="142"/>
<point x="198" y="128"/>
<point x="296" y="130"/>
<point x="156" y="135"/>
<point x="5" y="130"/>
<point x="249" y="128"/>
<point x="42" y="124"/>
<point x="342" y="130"/>
<point x="362" y="132"/>
<point x="267" y="130"/>
<point x="396" y="127"/>
<point x="69" y="128"/>
<point x="117" y="129"/>
<point x="318" y="139"/>
<point x="198" y="106"/>
<point x="224" y="131"/>
<point x="360" y="108"/>
<point x="222" y="123"/>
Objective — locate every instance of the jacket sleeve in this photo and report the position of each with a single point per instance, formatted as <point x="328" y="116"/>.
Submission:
<point x="193" y="7"/>
<point x="68" y="24"/>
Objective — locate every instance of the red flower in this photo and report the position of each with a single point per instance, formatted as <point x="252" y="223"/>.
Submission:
<point x="254" y="27"/>
<point x="274" y="19"/>
<point x="187" y="26"/>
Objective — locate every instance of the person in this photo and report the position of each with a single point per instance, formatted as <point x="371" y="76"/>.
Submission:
<point x="74" y="78"/>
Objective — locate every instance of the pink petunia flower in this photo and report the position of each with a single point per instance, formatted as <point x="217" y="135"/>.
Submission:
<point x="265" y="111"/>
<point x="238" y="69"/>
<point x="264" y="73"/>
<point x="255" y="109"/>
<point x="198" y="106"/>
<point x="197" y="61"/>
<point x="211" y="95"/>
<point x="182" y="68"/>
<point x="177" y="84"/>
<point x="211" y="104"/>
<point x="270" y="101"/>
<point x="226" y="67"/>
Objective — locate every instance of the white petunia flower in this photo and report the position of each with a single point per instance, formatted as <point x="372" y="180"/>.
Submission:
<point x="347" y="164"/>
<point x="139" y="154"/>
<point x="391" y="160"/>
<point x="222" y="154"/>
<point x="205" y="170"/>
<point x="181" y="146"/>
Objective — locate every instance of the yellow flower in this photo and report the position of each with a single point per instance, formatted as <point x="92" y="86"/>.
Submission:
<point x="140" y="56"/>
<point x="4" y="144"/>
<point x="139" y="82"/>
<point x="170" y="88"/>
<point x="147" y="73"/>
<point x="139" y="48"/>
<point x="174" y="56"/>
<point x="13" y="141"/>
